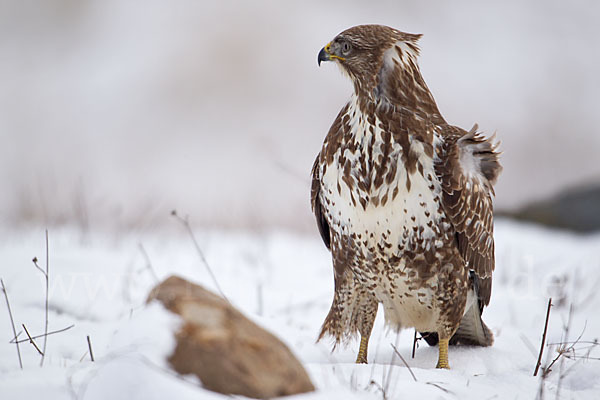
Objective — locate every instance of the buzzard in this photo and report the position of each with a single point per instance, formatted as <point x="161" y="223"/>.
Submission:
<point x="403" y="200"/>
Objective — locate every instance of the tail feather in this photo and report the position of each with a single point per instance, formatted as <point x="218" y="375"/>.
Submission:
<point x="472" y="331"/>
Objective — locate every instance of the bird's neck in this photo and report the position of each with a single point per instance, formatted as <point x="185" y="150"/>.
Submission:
<point x="400" y="85"/>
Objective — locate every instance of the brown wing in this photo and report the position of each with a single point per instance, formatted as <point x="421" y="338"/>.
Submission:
<point x="330" y="147"/>
<point x="468" y="167"/>
<point x="316" y="204"/>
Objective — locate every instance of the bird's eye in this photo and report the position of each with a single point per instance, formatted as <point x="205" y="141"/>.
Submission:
<point x="345" y="48"/>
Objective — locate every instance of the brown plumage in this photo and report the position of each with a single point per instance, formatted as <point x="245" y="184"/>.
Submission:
<point x="403" y="200"/>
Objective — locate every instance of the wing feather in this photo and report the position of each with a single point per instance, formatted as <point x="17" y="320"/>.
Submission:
<point x="330" y="147"/>
<point x="316" y="205"/>
<point x="468" y="167"/>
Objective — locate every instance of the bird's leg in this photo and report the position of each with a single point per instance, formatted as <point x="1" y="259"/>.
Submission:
<point x="362" y="350"/>
<point x="369" y="312"/>
<point x="443" y="356"/>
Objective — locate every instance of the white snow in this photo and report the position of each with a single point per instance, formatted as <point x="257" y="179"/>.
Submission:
<point x="284" y="282"/>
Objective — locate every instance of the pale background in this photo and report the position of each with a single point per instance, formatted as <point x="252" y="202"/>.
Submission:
<point x="115" y="112"/>
<point x="112" y="113"/>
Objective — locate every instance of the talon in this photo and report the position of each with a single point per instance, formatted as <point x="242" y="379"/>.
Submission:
<point x="361" y="360"/>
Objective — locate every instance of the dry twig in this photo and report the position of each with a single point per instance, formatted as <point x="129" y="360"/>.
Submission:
<point x="539" y="360"/>
<point x="12" y="322"/>
<point x="567" y="349"/>
<point x="45" y="273"/>
<point x="527" y="344"/>
<point x="148" y="262"/>
<point x="14" y="340"/>
<point x="90" y="348"/>
<point x="380" y="388"/>
<point x="443" y="389"/>
<point x="404" y="361"/>
<point x="30" y="339"/>
<point x="185" y="222"/>
<point x="386" y="381"/>
<point x="414" y="345"/>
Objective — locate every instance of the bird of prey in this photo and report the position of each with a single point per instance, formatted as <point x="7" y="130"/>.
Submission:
<point x="403" y="200"/>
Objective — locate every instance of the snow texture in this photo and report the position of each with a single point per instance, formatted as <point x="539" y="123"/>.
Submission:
<point x="283" y="281"/>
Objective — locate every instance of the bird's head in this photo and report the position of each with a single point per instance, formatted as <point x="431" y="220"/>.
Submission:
<point x="367" y="53"/>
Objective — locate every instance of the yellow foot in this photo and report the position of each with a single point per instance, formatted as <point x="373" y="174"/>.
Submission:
<point x="362" y="350"/>
<point x="443" y="355"/>
<point x="361" y="360"/>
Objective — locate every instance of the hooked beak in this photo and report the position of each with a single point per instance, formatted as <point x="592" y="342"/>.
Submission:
<point x="324" y="55"/>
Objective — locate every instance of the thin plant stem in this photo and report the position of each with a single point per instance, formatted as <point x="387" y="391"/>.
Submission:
<point x="42" y="335"/>
<point x="185" y="222"/>
<point x="12" y="322"/>
<point x="404" y="361"/>
<point x="149" y="266"/>
<point x="45" y="273"/>
<point x="539" y="360"/>
<point x="90" y="348"/>
<point x="30" y="339"/>
<point x="46" y="316"/>
<point x="414" y="345"/>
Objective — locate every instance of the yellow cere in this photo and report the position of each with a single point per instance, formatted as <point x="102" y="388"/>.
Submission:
<point x="332" y="56"/>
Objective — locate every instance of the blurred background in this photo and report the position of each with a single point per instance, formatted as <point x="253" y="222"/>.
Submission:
<point x="113" y="113"/>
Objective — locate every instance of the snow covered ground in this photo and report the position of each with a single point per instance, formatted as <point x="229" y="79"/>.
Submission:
<point x="284" y="282"/>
